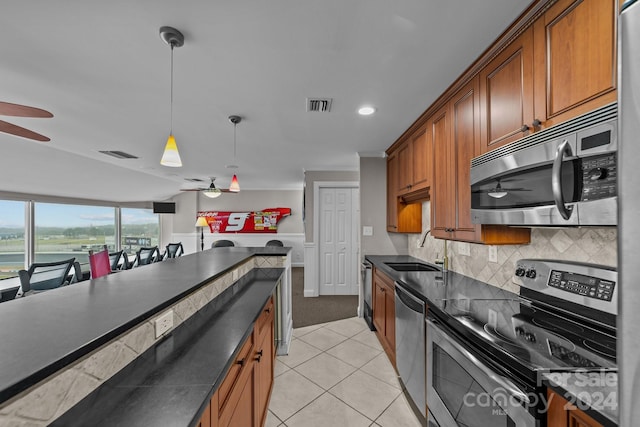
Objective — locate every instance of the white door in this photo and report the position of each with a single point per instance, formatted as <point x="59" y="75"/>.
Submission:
<point x="338" y="230"/>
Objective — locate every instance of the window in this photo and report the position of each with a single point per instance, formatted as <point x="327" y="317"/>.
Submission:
<point x="140" y="228"/>
<point x="11" y="238"/>
<point x="70" y="231"/>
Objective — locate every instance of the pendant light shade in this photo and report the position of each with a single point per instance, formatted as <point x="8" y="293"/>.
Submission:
<point x="171" y="156"/>
<point x="234" y="187"/>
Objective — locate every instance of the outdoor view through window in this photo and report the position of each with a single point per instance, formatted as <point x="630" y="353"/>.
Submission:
<point x="64" y="231"/>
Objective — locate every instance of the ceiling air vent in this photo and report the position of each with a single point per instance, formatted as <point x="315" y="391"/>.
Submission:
<point x="322" y="105"/>
<point x="119" y="154"/>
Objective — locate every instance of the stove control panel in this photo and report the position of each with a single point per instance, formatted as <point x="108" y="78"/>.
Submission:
<point x="581" y="283"/>
<point x="588" y="286"/>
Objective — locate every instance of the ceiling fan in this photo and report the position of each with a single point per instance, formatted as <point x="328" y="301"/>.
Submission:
<point x="211" y="191"/>
<point x="498" y="191"/>
<point x="17" y="110"/>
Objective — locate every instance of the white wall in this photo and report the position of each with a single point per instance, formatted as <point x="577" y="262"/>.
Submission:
<point x="290" y="229"/>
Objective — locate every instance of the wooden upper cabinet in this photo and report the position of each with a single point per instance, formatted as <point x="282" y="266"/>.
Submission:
<point x="442" y="199"/>
<point x="506" y="94"/>
<point x="422" y="159"/>
<point x="401" y="217"/>
<point x="392" y="192"/>
<point x="414" y="163"/>
<point x="575" y="59"/>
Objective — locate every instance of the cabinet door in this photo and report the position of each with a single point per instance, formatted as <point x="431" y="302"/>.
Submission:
<point x="575" y="59"/>
<point x="379" y="313"/>
<point x="442" y="204"/>
<point x="241" y="412"/>
<point x="422" y="159"/>
<point x="405" y="168"/>
<point x="392" y="192"/>
<point x="563" y="414"/>
<point x="205" y="419"/>
<point x="264" y="372"/>
<point x="390" y="322"/>
<point x="506" y="94"/>
<point x="465" y="141"/>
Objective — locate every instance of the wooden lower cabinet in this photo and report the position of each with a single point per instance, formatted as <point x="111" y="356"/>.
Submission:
<point x="563" y="414"/>
<point x="242" y="399"/>
<point x="384" y="313"/>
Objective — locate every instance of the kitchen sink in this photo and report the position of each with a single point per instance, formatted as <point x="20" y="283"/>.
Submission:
<point x="411" y="266"/>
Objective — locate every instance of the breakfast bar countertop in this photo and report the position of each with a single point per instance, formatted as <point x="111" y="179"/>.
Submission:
<point x="45" y="332"/>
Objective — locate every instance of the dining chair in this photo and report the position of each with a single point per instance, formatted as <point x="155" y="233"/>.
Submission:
<point x="44" y="276"/>
<point x="119" y="261"/>
<point x="99" y="263"/>
<point x="222" y="243"/>
<point x="146" y="256"/>
<point x="174" y="250"/>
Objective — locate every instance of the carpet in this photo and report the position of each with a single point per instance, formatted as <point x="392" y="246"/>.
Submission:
<point x="322" y="309"/>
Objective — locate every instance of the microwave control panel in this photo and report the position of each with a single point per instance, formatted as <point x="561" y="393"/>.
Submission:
<point x="599" y="176"/>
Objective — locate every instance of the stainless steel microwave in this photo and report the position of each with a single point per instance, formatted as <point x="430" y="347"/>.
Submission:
<point x="565" y="175"/>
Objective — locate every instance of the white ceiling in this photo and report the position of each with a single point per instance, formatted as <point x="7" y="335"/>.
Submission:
<point x="101" y="68"/>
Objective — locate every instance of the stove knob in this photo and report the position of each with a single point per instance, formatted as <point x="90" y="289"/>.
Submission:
<point x="531" y="274"/>
<point x="530" y="337"/>
<point x="519" y="331"/>
<point x="519" y="271"/>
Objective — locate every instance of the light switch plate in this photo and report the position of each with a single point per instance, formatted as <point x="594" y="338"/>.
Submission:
<point x="164" y="323"/>
<point x="367" y="230"/>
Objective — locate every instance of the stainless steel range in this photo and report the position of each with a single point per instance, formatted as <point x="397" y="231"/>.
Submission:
<point x="485" y="356"/>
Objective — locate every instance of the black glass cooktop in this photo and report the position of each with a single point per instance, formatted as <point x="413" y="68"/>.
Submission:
<point x="528" y="338"/>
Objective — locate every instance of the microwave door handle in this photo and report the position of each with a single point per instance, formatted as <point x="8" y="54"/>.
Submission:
<point x="556" y="180"/>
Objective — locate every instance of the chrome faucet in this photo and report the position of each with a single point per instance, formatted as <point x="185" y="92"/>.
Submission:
<point x="444" y="262"/>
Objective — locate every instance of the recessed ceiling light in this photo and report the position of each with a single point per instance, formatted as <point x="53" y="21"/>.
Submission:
<point x="366" y="110"/>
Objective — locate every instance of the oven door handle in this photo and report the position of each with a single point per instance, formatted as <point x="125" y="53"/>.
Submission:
<point x="498" y="379"/>
<point x="556" y="180"/>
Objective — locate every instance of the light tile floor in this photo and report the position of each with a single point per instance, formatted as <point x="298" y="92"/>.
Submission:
<point x="336" y="374"/>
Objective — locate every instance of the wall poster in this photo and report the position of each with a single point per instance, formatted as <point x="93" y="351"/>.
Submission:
<point x="264" y="221"/>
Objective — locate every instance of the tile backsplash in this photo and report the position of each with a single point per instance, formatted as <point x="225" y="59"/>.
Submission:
<point x="593" y="245"/>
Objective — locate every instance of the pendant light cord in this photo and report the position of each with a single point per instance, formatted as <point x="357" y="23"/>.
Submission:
<point x="234" y="142"/>
<point x="171" y="131"/>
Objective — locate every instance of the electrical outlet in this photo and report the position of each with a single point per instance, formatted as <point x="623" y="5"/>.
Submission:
<point x="164" y="323"/>
<point x="493" y="254"/>
<point x="367" y="230"/>
<point x="464" y="248"/>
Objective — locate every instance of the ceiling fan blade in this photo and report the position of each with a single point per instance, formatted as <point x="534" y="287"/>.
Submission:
<point x="17" y="110"/>
<point x="20" y="131"/>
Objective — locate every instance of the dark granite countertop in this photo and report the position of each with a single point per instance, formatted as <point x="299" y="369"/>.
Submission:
<point x="430" y="287"/>
<point x="595" y="393"/>
<point x="47" y="331"/>
<point x="171" y="383"/>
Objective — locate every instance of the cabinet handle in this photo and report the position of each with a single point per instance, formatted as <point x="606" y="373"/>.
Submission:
<point x="241" y="362"/>
<point x="259" y="354"/>
<point x="536" y="123"/>
<point x="524" y="128"/>
<point x="267" y="310"/>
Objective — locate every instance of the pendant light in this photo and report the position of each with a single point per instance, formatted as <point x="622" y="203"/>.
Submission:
<point x="212" y="192"/>
<point x="235" y="186"/>
<point x="171" y="156"/>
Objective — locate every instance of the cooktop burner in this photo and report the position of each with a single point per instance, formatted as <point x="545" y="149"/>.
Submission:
<point x="607" y="349"/>
<point x="558" y="325"/>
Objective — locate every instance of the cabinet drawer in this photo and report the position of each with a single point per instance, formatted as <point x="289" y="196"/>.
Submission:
<point x="241" y="361"/>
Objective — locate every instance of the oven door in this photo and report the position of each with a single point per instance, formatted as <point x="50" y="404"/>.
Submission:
<point x="462" y="390"/>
